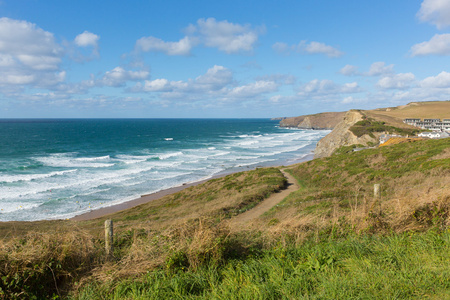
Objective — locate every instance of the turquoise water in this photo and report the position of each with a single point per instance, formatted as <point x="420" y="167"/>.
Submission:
<point x="60" y="168"/>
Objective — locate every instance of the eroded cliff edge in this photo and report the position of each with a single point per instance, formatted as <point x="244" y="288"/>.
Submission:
<point x="326" y="120"/>
<point x="342" y="136"/>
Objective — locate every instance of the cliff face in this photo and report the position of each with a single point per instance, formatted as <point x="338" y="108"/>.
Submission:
<point x="342" y="136"/>
<point x="327" y="120"/>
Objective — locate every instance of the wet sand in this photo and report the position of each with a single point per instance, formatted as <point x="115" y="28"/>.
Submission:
<point x="101" y="212"/>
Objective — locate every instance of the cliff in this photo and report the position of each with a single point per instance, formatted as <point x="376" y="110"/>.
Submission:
<point x="326" y="120"/>
<point x="342" y="136"/>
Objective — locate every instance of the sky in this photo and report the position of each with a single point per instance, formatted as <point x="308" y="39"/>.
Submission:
<point x="219" y="59"/>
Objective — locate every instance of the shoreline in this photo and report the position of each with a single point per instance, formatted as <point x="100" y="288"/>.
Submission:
<point x="104" y="211"/>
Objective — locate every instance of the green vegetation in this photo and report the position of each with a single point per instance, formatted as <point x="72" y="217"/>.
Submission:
<point x="369" y="126"/>
<point x="331" y="239"/>
<point x="405" y="266"/>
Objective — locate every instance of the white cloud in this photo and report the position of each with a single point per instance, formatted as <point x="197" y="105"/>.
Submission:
<point x="215" y="79"/>
<point x="157" y="85"/>
<point x="442" y="80"/>
<point x="436" y="12"/>
<point x="318" y="88"/>
<point x="119" y="76"/>
<point x="281" y="48"/>
<point x="379" y="68"/>
<point x="307" y="48"/>
<point x="253" y="89"/>
<point x="438" y="45"/>
<point x="349" y="70"/>
<point x="217" y="85"/>
<point x="398" y="81"/>
<point x="182" y="47"/>
<point x="223" y="35"/>
<point x="87" y="39"/>
<point x="349" y="100"/>
<point x="321" y="48"/>
<point x="28" y="55"/>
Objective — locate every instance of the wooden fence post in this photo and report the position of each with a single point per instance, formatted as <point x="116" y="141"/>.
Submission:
<point x="109" y="239"/>
<point x="377" y="193"/>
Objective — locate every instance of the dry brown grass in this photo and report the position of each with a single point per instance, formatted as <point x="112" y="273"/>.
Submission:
<point x="412" y="202"/>
<point x="434" y="109"/>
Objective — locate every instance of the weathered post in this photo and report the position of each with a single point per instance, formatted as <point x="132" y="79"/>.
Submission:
<point x="377" y="193"/>
<point x="109" y="239"/>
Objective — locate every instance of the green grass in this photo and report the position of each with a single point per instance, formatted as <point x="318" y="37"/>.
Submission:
<point x="369" y="126"/>
<point x="405" y="266"/>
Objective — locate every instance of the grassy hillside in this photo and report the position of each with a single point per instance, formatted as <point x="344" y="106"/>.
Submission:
<point x="331" y="239"/>
<point x="432" y="109"/>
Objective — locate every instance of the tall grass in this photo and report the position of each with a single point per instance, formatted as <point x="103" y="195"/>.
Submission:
<point x="405" y="266"/>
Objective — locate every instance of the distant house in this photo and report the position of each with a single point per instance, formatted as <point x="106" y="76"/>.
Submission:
<point x="429" y="124"/>
<point x="434" y="135"/>
<point x="411" y="121"/>
<point x="431" y="120"/>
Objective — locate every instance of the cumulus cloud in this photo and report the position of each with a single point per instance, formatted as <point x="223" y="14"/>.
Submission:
<point x="119" y="77"/>
<point x="438" y="45"/>
<point x="215" y="78"/>
<point x="436" y="12"/>
<point x="442" y="80"/>
<point x="87" y="39"/>
<point x="182" y="47"/>
<point x="28" y="55"/>
<point x="317" y="88"/>
<point x="321" y="48"/>
<point x="223" y="35"/>
<point x="397" y="81"/>
<point x="307" y="48"/>
<point x="380" y="68"/>
<point x="349" y="70"/>
<point x="253" y="89"/>
<point x="217" y="83"/>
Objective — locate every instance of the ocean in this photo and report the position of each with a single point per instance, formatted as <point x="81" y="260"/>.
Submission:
<point x="56" y="169"/>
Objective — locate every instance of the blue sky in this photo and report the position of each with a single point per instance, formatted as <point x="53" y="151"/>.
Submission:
<point x="191" y="59"/>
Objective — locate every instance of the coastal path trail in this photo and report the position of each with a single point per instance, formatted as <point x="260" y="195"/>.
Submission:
<point x="266" y="204"/>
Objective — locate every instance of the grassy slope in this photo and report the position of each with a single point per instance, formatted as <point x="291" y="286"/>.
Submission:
<point x="331" y="239"/>
<point x="434" y="109"/>
<point x="414" y="177"/>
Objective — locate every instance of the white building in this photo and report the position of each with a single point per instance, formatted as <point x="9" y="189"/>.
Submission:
<point x="434" y="135"/>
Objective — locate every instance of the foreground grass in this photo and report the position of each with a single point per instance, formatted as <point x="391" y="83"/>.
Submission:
<point x="405" y="266"/>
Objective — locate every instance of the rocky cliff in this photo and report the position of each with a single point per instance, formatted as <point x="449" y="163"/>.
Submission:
<point x="327" y="120"/>
<point x="342" y="136"/>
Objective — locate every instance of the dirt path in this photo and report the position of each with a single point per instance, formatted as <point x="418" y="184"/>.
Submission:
<point x="267" y="204"/>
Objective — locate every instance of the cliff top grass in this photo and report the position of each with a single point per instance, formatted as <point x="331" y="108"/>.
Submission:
<point x="431" y="109"/>
<point x="370" y="125"/>
<point x="414" y="179"/>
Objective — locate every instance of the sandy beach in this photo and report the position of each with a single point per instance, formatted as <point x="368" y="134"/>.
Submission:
<point x="101" y="212"/>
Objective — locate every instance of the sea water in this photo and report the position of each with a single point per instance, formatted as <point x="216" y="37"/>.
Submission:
<point x="53" y="169"/>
